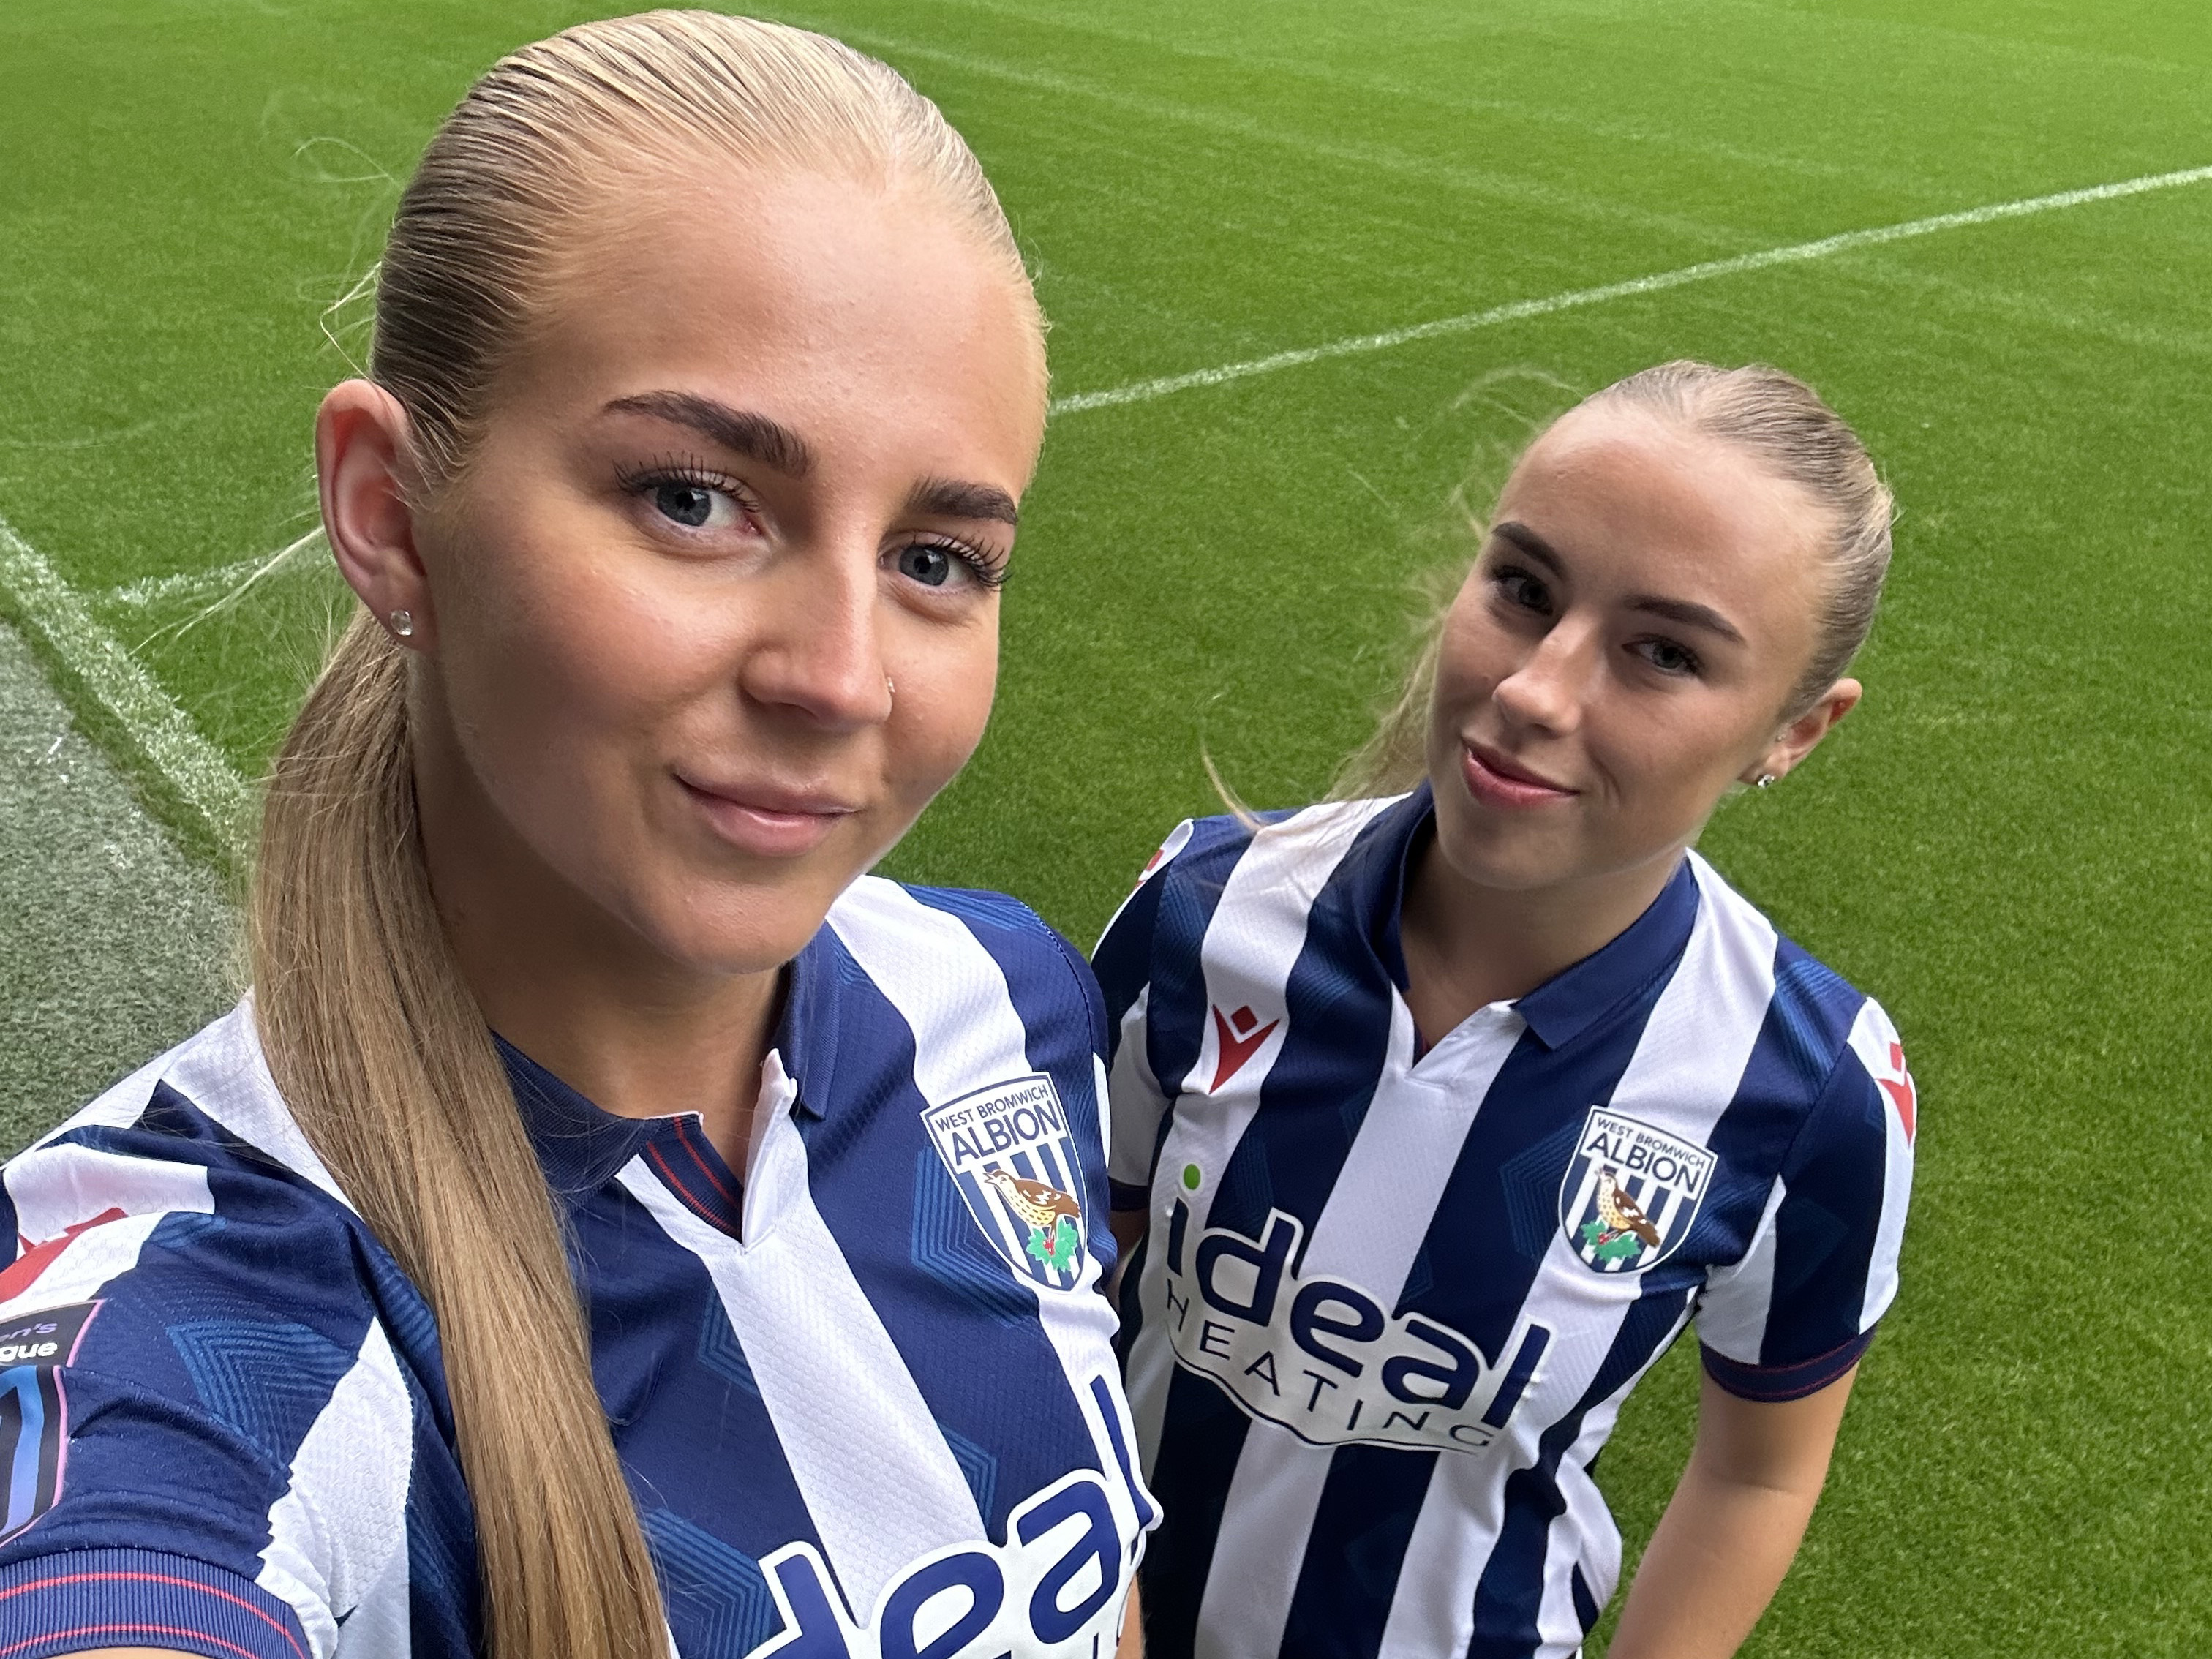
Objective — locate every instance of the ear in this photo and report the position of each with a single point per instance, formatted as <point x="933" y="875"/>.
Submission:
<point x="361" y="469"/>
<point x="1803" y="735"/>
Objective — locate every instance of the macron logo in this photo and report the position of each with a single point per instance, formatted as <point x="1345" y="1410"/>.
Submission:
<point x="1241" y="1034"/>
<point x="1902" y="1095"/>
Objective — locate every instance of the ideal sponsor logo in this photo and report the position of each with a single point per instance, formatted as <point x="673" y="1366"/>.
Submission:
<point x="1009" y="1152"/>
<point x="1631" y="1191"/>
<point x="1054" y="1590"/>
<point x="1324" y="1358"/>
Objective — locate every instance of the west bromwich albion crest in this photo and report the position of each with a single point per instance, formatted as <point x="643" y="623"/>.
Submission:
<point x="1631" y="1192"/>
<point x="1011" y="1155"/>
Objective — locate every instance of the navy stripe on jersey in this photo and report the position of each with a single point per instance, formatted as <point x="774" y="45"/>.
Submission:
<point x="884" y="1192"/>
<point x="259" y="1393"/>
<point x="1373" y="1435"/>
<point x="1508" y="1602"/>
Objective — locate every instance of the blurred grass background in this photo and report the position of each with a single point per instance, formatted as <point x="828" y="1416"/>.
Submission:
<point x="2006" y="844"/>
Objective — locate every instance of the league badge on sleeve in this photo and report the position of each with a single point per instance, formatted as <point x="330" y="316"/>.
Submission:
<point x="1631" y="1192"/>
<point x="34" y="1426"/>
<point x="1010" y="1152"/>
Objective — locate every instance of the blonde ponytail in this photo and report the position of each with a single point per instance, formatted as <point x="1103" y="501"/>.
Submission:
<point x="377" y="1047"/>
<point x="370" y="1031"/>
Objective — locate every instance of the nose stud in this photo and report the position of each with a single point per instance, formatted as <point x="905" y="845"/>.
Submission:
<point x="403" y="623"/>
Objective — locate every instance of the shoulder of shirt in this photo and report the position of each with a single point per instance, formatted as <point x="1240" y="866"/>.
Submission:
<point x="210" y="1101"/>
<point x="1825" y="1021"/>
<point x="1032" y="954"/>
<point x="1206" y="850"/>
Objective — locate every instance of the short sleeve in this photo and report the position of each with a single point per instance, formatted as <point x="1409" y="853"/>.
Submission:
<point x="1800" y="1308"/>
<point x="218" y="1434"/>
<point x="1123" y="962"/>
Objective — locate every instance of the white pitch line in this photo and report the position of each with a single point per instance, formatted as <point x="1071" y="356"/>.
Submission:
<point x="52" y="611"/>
<point x="149" y="591"/>
<point x="1521" y="310"/>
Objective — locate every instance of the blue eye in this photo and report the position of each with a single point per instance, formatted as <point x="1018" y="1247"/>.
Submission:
<point x="687" y="504"/>
<point x="930" y="566"/>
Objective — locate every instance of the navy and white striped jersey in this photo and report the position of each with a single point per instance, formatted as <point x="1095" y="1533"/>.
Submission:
<point x="866" y="1400"/>
<point x="1390" y="1301"/>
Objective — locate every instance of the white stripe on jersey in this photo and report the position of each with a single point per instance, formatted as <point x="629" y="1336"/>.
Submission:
<point x="1874" y="1040"/>
<point x="1685" y="1071"/>
<point x="50" y="1187"/>
<point x="1733" y="1307"/>
<point x="916" y="955"/>
<point x="845" y="1406"/>
<point x="1252" y="943"/>
<point x="346" y="1510"/>
<point x="223" y="1072"/>
<point x="1367" y="1235"/>
<point x="1141" y="1105"/>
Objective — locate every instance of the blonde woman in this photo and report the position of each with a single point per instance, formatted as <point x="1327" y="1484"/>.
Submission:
<point x="612" y="1206"/>
<point x="1441" y="1112"/>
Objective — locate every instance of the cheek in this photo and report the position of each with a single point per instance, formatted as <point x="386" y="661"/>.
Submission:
<point x="1472" y="657"/>
<point x="556" y="668"/>
<point x="945" y="684"/>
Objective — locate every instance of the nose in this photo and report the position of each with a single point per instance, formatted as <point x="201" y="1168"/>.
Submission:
<point x="1545" y="692"/>
<point x="817" y="649"/>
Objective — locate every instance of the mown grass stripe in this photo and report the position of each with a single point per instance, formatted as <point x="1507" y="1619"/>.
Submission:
<point x="192" y="770"/>
<point x="1139" y="391"/>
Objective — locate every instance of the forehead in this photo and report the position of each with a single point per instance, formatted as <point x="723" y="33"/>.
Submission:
<point x="863" y="315"/>
<point x="1641" y="503"/>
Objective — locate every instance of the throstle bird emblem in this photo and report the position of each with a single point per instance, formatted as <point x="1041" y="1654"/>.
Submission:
<point x="1618" y="1214"/>
<point x="1053" y="1216"/>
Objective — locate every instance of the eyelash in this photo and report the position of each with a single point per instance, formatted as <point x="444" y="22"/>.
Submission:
<point x="989" y="573"/>
<point x="681" y="469"/>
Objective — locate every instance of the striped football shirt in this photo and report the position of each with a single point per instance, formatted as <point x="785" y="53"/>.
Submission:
<point x="866" y="1399"/>
<point x="1390" y="1301"/>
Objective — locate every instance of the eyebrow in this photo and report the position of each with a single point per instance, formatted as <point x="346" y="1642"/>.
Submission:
<point x="1686" y="612"/>
<point x="950" y="498"/>
<point x="739" y="430"/>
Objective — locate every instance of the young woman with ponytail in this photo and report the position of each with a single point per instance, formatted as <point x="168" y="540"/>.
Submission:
<point x="614" y="1218"/>
<point x="1442" y="1108"/>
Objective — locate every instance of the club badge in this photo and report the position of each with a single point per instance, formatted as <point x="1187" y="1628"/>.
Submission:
<point x="1632" y="1193"/>
<point x="1009" y="1152"/>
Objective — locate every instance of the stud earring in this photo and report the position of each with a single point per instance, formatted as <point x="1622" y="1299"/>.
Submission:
<point x="1765" y="780"/>
<point x="403" y="623"/>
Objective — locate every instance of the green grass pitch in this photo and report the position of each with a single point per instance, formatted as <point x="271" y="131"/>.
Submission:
<point x="2008" y="843"/>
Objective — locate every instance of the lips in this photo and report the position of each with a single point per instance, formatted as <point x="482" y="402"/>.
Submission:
<point x="1496" y="780"/>
<point x="766" y="819"/>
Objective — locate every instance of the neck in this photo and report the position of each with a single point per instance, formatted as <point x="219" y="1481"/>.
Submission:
<point x="1467" y="945"/>
<point x="572" y="986"/>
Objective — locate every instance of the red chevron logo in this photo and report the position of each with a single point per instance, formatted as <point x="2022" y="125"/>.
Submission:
<point x="1899" y="1089"/>
<point x="24" y="1271"/>
<point x="1241" y="1034"/>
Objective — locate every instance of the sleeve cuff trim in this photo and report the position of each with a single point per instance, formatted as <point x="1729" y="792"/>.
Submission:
<point x="1129" y="1195"/>
<point x="1775" y="1383"/>
<point x="64" y="1602"/>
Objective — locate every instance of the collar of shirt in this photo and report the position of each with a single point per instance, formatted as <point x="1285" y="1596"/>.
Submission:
<point x="581" y="1145"/>
<point x="1564" y="1005"/>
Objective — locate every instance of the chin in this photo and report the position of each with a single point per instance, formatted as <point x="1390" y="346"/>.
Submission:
<point x="720" y="930"/>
